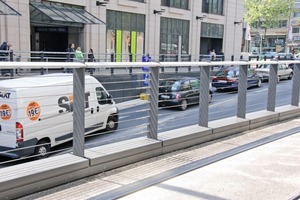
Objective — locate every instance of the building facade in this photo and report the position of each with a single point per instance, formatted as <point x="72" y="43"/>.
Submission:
<point x="126" y="27"/>
<point x="281" y="37"/>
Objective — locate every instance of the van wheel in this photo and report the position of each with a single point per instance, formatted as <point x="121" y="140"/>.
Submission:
<point x="112" y="123"/>
<point x="42" y="149"/>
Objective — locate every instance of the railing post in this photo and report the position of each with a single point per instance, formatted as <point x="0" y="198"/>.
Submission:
<point x="78" y="114"/>
<point x="153" y="112"/>
<point x="130" y="60"/>
<point x="204" y="95"/>
<point x="273" y="79"/>
<point x="112" y="59"/>
<point x="176" y="59"/>
<point x="296" y="85"/>
<point x="242" y="91"/>
<point x="162" y="59"/>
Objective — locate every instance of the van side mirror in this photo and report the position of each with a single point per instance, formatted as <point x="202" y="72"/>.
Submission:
<point x="109" y="99"/>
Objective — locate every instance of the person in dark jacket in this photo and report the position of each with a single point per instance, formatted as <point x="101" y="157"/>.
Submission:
<point x="70" y="55"/>
<point x="5" y="46"/>
<point x="70" y="52"/>
<point x="91" y="58"/>
<point x="4" y="56"/>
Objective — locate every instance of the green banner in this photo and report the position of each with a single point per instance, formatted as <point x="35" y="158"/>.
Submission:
<point x="133" y="45"/>
<point x="118" y="46"/>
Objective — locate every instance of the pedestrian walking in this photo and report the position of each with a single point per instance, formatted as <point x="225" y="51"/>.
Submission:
<point x="4" y="56"/>
<point x="91" y="58"/>
<point x="213" y="55"/>
<point x="70" y="52"/>
<point x="79" y="54"/>
<point x="221" y="54"/>
<point x="4" y="48"/>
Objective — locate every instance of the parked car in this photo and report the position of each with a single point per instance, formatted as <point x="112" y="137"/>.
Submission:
<point x="268" y="55"/>
<point x="180" y="92"/>
<point x="284" y="56"/>
<point x="228" y="78"/>
<point x="284" y="72"/>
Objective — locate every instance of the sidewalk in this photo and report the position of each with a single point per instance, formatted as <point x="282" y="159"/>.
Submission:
<point x="259" y="164"/>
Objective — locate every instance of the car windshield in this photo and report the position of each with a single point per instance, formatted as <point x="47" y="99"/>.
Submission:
<point x="266" y="66"/>
<point x="227" y="73"/>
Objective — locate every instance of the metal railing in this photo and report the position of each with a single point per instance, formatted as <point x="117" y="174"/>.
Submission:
<point x="201" y="70"/>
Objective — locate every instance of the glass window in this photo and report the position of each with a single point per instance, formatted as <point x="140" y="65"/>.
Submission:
<point x="125" y="35"/>
<point x="102" y="96"/>
<point x="125" y="21"/>
<point x="212" y="30"/>
<point x="213" y="6"/>
<point x="182" y="4"/>
<point x="186" y="86"/>
<point x="195" y="84"/>
<point x="295" y="30"/>
<point x="171" y="30"/>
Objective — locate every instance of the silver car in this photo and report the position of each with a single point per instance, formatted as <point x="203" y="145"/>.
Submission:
<point x="284" y="72"/>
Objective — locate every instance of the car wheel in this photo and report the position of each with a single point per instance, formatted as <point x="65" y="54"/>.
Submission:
<point x="112" y="123"/>
<point x="259" y="83"/>
<point x="42" y="149"/>
<point x="183" y="104"/>
<point x="290" y="76"/>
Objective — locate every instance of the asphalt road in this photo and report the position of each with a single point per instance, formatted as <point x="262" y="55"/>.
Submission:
<point x="133" y="121"/>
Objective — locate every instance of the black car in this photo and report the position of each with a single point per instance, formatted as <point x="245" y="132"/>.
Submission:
<point x="228" y="78"/>
<point x="180" y="92"/>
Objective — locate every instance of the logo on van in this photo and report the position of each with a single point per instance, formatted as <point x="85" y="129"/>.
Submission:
<point x="66" y="102"/>
<point x="5" y="112"/>
<point x="5" y="95"/>
<point x="33" y="110"/>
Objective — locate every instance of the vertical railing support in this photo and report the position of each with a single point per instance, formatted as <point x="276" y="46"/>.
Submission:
<point x="296" y="85"/>
<point x="153" y="111"/>
<point x="242" y="91"/>
<point x="78" y="114"/>
<point x="273" y="79"/>
<point x="204" y="95"/>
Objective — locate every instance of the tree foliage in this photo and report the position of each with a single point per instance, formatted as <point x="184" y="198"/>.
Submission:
<point x="267" y="12"/>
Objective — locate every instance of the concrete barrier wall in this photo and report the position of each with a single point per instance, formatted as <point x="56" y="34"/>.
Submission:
<point x="27" y="178"/>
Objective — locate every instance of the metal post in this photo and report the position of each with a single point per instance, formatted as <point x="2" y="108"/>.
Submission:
<point x="78" y="114"/>
<point x="273" y="79"/>
<point x="130" y="60"/>
<point x="296" y="85"/>
<point x="242" y="92"/>
<point x="153" y="112"/>
<point x="204" y="95"/>
<point x="162" y="60"/>
<point x="177" y="58"/>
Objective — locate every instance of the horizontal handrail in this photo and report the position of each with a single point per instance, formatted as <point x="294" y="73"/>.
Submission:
<point x="55" y="65"/>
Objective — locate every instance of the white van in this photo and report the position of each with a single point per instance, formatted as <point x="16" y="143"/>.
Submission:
<point x="37" y="113"/>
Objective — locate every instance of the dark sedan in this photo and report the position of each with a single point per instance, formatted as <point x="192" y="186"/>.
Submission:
<point x="228" y="78"/>
<point x="180" y="92"/>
